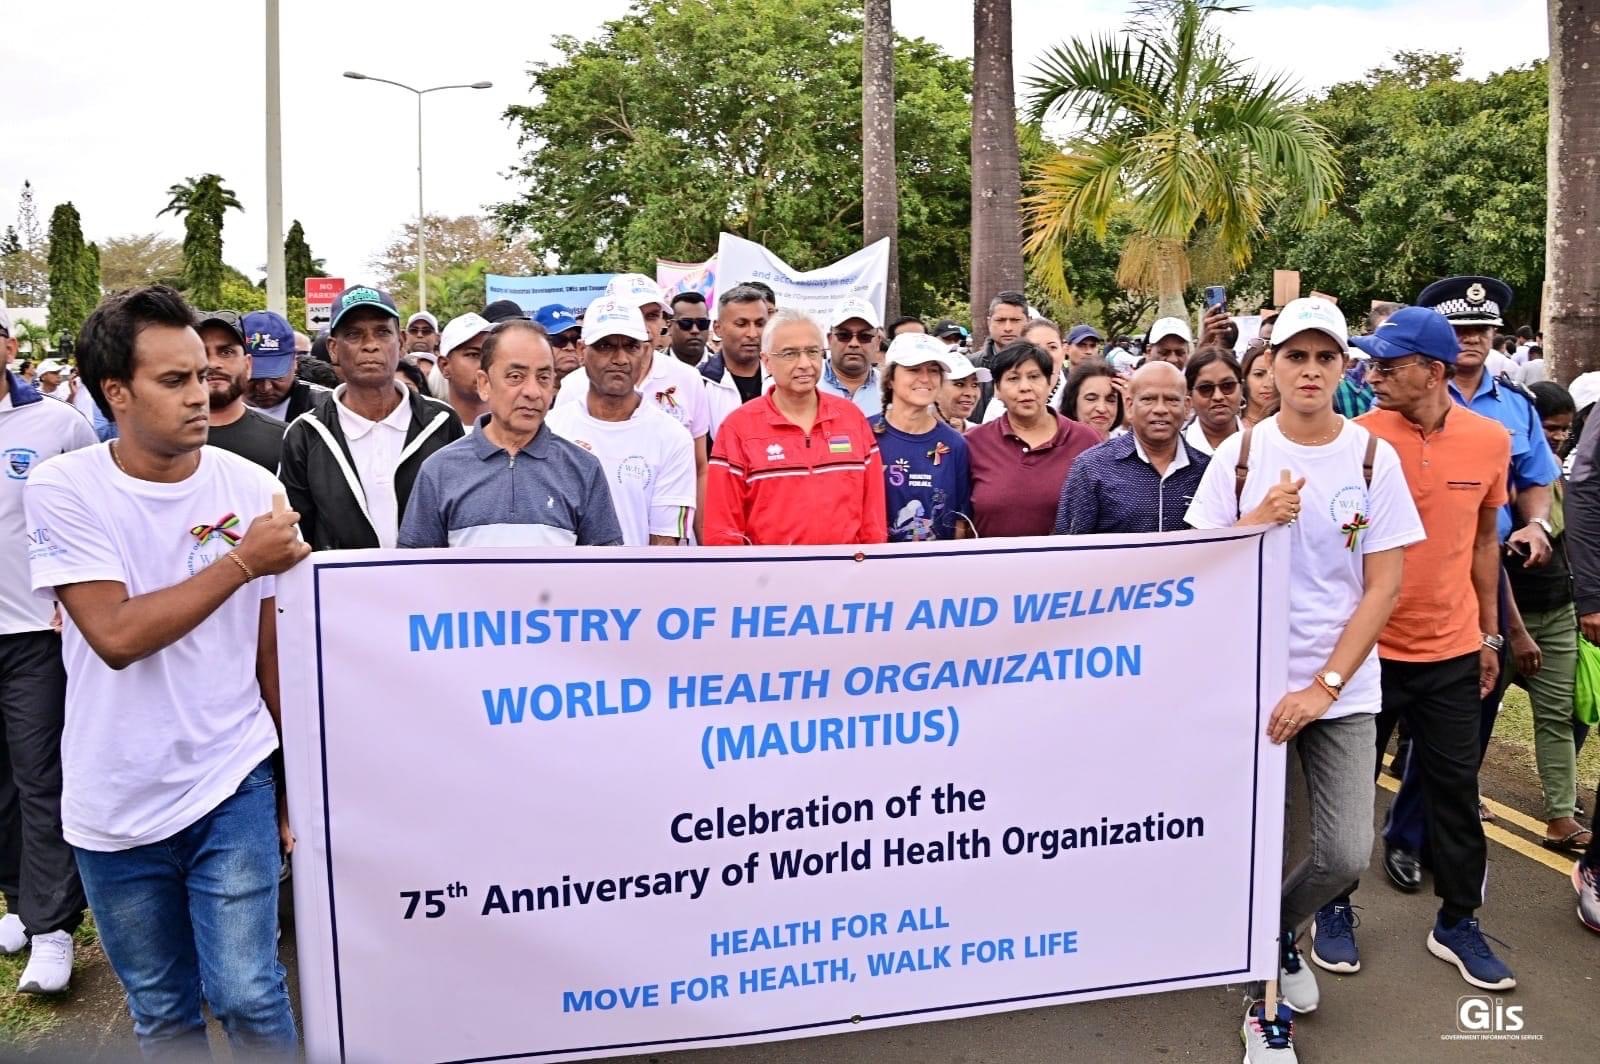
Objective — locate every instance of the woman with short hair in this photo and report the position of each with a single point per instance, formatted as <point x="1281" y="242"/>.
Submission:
<point x="1093" y="396"/>
<point x="927" y="482"/>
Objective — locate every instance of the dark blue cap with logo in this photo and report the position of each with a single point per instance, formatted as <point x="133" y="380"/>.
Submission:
<point x="555" y="318"/>
<point x="1468" y="300"/>
<point x="357" y="296"/>
<point x="1412" y="331"/>
<point x="269" y="342"/>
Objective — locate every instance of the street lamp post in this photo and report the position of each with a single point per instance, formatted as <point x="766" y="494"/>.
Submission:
<point x="422" y="244"/>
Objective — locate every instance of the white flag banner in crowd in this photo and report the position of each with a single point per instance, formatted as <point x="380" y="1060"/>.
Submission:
<point x="577" y="803"/>
<point x="531" y="293"/>
<point x="864" y="274"/>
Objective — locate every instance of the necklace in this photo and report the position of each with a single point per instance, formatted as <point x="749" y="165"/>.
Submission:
<point x="1338" y="424"/>
<point x="112" y="447"/>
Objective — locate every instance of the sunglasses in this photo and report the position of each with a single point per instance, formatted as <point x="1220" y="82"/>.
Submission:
<point x="865" y="336"/>
<point x="701" y="324"/>
<point x="566" y="339"/>
<point x="1210" y="388"/>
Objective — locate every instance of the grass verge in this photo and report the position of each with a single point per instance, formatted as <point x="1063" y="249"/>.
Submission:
<point x="26" y="1018"/>
<point x="1515" y="725"/>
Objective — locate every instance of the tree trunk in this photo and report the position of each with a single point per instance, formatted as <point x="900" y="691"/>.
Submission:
<point x="1572" y="220"/>
<point x="996" y="177"/>
<point x="880" y="193"/>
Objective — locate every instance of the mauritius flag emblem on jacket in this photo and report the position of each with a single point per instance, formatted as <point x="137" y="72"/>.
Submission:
<point x="840" y="445"/>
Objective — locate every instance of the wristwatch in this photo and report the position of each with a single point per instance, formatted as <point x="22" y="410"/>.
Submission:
<point x="1544" y="523"/>
<point x="1331" y="682"/>
<point x="1494" y="642"/>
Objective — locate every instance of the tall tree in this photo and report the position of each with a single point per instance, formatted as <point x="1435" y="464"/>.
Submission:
<point x="298" y="262"/>
<point x="201" y="202"/>
<point x="880" y="179"/>
<point x="996" y="171"/>
<point x="140" y="258"/>
<point x="24" y="274"/>
<point x="70" y="299"/>
<point x="1572" y="238"/>
<point x="1195" y="147"/>
<point x="90" y="277"/>
<point x="458" y="241"/>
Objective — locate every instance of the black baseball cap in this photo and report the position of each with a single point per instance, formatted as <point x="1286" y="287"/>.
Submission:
<point x="229" y="319"/>
<point x="361" y="296"/>
<point x="503" y="310"/>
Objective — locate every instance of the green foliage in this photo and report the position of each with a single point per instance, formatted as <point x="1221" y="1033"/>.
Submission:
<point x="1190" y="146"/>
<point x="452" y="290"/>
<point x="452" y="241"/>
<point x="236" y="292"/>
<point x="140" y="258"/>
<point x="298" y="262"/>
<point x="72" y="294"/>
<point x="201" y="202"/>
<point x="685" y="118"/>
<point x="1445" y="175"/>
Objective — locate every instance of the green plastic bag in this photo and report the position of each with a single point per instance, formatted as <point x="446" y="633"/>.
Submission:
<point x="1586" y="704"/>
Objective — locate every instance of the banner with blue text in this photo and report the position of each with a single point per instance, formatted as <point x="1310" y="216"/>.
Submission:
<point x="574" y="803"/>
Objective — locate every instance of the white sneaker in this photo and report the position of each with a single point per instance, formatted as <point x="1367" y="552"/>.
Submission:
<point x="1297" y="982"/>
<point x="12" y="934"/>
<point x="49" y="967"/>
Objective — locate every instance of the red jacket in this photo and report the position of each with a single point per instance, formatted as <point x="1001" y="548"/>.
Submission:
<point x="770" y="483"/>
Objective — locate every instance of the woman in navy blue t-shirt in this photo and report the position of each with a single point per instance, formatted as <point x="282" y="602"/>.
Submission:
<point x="926" y="475"/>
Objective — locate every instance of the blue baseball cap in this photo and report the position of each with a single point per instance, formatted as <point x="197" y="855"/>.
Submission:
<point x="1413" y="331"/>
<point x="269" y="342"/>
<point x="1080" y="333"/>
<point x="555" y="318"/>
<point x="361" y="296"/>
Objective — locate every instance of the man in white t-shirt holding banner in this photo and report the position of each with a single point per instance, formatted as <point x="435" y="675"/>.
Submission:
<point x="162" y="551"/>
<point x="648" y="457"/>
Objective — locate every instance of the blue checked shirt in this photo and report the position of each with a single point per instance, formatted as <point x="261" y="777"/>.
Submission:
<point x="1113" y="488"/>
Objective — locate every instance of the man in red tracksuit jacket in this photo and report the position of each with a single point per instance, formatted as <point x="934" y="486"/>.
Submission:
<point x="795" y="465"/>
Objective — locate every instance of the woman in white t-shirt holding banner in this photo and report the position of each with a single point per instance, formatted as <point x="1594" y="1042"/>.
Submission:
<point x="1344" y="500"/>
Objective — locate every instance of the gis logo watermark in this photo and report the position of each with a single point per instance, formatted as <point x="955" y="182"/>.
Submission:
<point x="1480" y="1018"/>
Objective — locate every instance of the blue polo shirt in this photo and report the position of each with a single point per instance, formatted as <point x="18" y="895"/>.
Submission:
<point x="1532" y="462"/>
<point x="473" y="493"/>
<point x="868" y="397"/>
<point x="927" y="481"/>
<point x="1113" y="487"/>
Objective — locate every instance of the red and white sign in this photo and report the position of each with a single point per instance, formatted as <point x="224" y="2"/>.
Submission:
<point x="320" y="292"/>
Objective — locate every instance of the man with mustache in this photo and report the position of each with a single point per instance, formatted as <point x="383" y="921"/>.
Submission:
<point x="235" y="426"/>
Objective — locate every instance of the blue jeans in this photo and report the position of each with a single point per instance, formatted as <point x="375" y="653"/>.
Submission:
<point x="197" y="915"/>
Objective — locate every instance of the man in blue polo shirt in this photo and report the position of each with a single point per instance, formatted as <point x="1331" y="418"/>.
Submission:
<point x="513" y="482"/>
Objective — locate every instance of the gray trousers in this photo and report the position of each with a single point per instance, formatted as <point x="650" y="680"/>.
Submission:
<point x="1336" y="758"/>
<point x="38" y="874"/>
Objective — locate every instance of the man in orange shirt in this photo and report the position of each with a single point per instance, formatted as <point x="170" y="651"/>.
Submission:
<point x="1440" y="650"/>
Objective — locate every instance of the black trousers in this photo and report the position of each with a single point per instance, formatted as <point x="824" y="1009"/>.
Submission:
<point x="38" y="874"/>
<point x="1439" y="702"/>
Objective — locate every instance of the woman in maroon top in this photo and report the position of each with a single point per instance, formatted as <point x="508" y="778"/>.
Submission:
<point x="1020" y="459"/>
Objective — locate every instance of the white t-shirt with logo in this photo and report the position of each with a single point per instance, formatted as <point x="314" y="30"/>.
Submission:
<point x="675" y="387"/>
<point x="30" y="434"/>
<point x="149" y="750"/>
<point x="1341" y="520"/>
<point x="649" y="464"/>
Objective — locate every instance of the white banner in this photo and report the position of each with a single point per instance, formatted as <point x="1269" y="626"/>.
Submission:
<point x="586" y="802"/>
<point x="864" y="274"/>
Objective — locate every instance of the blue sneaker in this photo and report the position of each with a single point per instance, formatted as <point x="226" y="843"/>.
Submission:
<point x="1463" y="946"/>
<point x="1268" y="1041"/>
<point x="1333" y="939"/>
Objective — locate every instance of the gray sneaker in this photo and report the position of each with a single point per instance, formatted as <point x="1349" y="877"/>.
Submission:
<point x="1268" y="1041"/>
<point x="1297" y="980"/>
<point x="1586" y="881"/>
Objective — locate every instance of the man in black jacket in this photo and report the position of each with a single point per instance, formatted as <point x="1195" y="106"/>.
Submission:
<point x="348" y="465"/>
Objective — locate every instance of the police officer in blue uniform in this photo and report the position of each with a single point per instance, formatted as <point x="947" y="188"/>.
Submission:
<point x="1474" y="305"/>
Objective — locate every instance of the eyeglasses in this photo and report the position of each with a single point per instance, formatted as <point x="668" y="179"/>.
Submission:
<point x="1207" y="389"/>
<point x="791" y="354"/>
<point x="606" y="347"/>
<point x="701" y="324"/>
<point x="566" y="339"/>
<point x="865" y="336"/>
<point x="1385" y="369"/>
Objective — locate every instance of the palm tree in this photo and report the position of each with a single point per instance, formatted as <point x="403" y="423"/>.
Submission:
<point x="193" y="192"/>
<point x="201" y="202"/>
<point x="996" y="172"/>
<point x="1181" y="139"/>
<point x="879" y="175"/>
<point x="1572" y="239"/>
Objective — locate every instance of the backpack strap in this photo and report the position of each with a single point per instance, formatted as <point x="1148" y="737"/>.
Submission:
<point x="1241" y="470"/>
<point x="1367" y="459"/>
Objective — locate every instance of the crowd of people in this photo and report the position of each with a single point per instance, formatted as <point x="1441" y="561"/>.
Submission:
<point x="1444" y="521"/>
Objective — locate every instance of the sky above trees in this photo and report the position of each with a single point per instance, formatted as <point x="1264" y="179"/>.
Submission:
<point x="349" y="148"/>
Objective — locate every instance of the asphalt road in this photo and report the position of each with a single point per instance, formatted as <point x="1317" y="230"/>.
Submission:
<point x="1401" y="1007"/>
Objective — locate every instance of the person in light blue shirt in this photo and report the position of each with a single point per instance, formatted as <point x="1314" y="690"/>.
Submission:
<point x="853" y="339"/>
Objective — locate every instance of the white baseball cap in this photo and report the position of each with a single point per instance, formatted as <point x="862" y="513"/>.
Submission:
<point x="1165" y="327"/>
<point x="423" y="315"/>
<point x="1585" y="389"/>
<point x="613" y="316"/>
<point x="961" y="366"/>
<point x="918" y="349"/>
<point x="635" y="289"/>
<point x="1308" y="314"/>
<point x="461" y="328"/>
<point x="50" y="365"/>
<point x="855" y="307"/>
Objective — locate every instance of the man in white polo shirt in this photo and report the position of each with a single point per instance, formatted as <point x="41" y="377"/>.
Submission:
<point x="647" y="456"/>
<point x="44" y="900"/>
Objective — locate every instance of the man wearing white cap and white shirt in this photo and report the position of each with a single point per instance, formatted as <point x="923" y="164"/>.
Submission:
<point x="421" y="347"/>
<point x="48" y="379"/>
<point x="647" y="456"/>
<point x="640" y="291"/>
<point x="676" y="388"/>
<point x="460" y="347"/>
<point x="852" y="337"/>
<point x="1169" y="341"/>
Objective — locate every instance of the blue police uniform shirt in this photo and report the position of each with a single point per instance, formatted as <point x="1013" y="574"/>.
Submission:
<point x="1533" y="464"/>
<point x="927" y="481"/>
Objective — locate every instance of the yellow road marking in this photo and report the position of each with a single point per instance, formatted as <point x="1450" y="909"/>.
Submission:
<point x="1531" y="850"/>
<point x="1504" y="812"/>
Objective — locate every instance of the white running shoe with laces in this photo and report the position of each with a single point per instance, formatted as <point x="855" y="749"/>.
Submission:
<point x="13" y="936"/>
<point x="49" y="967"/>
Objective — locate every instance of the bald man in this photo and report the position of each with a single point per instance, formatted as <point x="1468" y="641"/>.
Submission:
<point x="1144" y="479"/>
